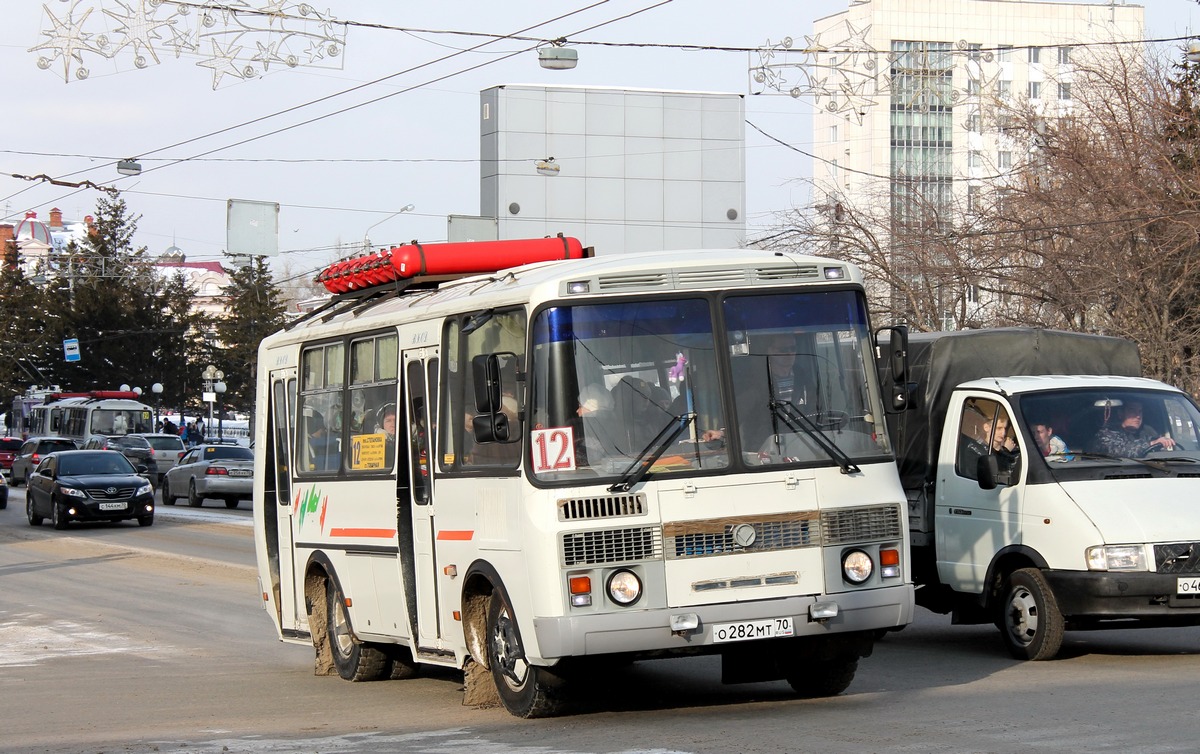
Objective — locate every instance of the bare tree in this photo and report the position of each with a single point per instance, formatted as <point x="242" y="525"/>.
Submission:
<point x="1096" y="228"/>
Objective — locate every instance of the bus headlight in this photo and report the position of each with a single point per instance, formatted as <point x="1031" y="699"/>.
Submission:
<point x="857" y="566"/>
<point x="1116" y="558"/>
<point x="624" y="587"/>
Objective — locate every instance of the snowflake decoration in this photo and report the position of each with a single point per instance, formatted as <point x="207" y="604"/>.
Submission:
<point x="851" y="77"/>
<point x="231" y="38"/>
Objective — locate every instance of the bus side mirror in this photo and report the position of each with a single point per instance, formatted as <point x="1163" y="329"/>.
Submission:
<point x="893" y="370"/>
<point x="491" y="427"/>
<point x="485" y="374"/>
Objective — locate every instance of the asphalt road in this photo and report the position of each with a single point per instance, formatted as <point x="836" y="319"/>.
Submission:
<point x="123" y="639"/>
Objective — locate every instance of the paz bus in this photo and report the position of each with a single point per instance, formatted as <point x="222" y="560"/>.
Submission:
<point x="598" y="459"/>
<point x="79" y="416"/>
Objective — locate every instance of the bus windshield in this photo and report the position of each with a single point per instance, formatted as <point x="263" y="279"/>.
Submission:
<point x="618" y="384"/>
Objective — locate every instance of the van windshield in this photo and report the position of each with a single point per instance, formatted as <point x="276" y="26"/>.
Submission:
<point x="1106" y="426"/>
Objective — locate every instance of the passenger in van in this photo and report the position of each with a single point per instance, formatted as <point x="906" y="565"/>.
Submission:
<point x="1053" y="447"/>
<point x="994" y="439"/>
<point x="1130" y="437"/>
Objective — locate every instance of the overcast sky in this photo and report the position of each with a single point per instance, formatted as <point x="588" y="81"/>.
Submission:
<point x="417" y="147"/>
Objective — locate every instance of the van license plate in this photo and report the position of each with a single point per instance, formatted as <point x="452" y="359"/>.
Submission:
<point x="752" y="629"/>
<point x="1187" y="585"/>
<point x="112" y="506"/>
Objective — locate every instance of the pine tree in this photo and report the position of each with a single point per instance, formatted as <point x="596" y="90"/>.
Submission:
<point x="255" y="310"/>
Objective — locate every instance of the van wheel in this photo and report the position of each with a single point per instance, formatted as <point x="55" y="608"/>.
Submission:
<point x="1030" y="621"/>
<point x="526" y="690"/>
<point x="354" y="660"/>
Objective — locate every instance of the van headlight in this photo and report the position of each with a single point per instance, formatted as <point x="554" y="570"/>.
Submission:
<point x="1116" y="558"/>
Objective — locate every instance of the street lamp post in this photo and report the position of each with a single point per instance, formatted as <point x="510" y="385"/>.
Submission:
<point x="212" y="385"/>
<point x="157" y="389"/>
<point x="366" y="235"/>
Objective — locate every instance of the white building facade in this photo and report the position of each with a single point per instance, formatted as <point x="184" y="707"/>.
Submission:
<point x="623" y="170"/>
<point x="952" y="61"/>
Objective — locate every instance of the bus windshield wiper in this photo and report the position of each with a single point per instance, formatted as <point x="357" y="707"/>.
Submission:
<point x="651" y="453"/>
<point x="797" y="421"/>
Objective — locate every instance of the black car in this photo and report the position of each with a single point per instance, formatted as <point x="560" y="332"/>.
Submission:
<point x="88" y="485"/>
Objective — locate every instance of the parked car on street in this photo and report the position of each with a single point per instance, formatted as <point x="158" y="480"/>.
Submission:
<point x="165" y="450"/>
<point x="157" y="452"/>
<point x="221" y="471"/>
<point x="33" y="451"/>
<point x="8" y="451"/>
<point x="88" y="485"/>
<point x="133" y="447"/>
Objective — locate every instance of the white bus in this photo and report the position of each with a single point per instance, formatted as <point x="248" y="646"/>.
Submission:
<point x="80" y="416"/>
<point x="600" y="459"/>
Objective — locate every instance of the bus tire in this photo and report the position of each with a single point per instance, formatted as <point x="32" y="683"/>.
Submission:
<point x="1030" y="620"/>
<point x="354" y="660"/>
<point x="403" y="666"/>
<point x="525" y="690"/>
<point x="817" y="679"/>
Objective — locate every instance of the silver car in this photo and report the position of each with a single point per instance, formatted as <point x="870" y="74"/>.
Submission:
<point x="225" y="472"/>
<point x="165" y="451"/>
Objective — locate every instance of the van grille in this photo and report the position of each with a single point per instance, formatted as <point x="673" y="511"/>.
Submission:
<point x="607" y="546"/>
<point x="1178" y="557"/>
<point x="606" y="506"/>
<point x="877" y="522"/>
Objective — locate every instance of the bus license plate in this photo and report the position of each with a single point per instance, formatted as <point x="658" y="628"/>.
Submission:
<point x="1187" y="585"/>
<point x="768" y="628"/>
<point x="112" y="506"/>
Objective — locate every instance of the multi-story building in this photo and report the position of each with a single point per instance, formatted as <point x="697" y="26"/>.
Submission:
<point x="910" y="95"/>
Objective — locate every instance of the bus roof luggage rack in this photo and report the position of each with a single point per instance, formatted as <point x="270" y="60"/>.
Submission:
<point x="359" y="280"/>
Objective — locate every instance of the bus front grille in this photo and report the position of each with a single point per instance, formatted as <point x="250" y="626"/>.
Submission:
<point x="605" y="546"/>
<point x="851" y="525"/>
<point x="727" y="536"/>
<point x="601" y="506"/>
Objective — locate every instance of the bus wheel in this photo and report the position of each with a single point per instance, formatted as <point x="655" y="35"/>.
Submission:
<point x="354" y="660"/>
<point x="813" y="680"/>
<point x="1030" y="621"/>
<point x="526" y="690"/>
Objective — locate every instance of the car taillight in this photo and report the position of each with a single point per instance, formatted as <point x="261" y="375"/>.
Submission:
<point x="216" y="471"/>
<point x="34" y="458"/>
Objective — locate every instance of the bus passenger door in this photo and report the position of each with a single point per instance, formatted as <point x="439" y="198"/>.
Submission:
<point x="277" y="502"/>
<point x="418" y="554"/>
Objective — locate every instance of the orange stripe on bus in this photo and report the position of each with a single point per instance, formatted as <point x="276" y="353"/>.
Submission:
<point x="449" y="534"/>
<point x="375" y="533"/>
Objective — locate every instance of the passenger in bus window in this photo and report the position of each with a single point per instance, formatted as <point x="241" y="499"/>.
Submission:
<point x="387" y="424"/>
<point x="323" y="451"/>
<point x="597" y="432"/>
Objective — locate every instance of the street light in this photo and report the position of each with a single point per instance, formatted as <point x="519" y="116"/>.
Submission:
<point x="212" y="385"/>
<point x="367" y="233"/>
<point x="157" y="389"/>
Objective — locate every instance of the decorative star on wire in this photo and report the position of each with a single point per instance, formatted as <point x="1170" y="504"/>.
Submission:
<point x="140" y="29"/>
<point x="223" y="62"/>
<point x="267" y="54"/>
<point x="66" y="41"/>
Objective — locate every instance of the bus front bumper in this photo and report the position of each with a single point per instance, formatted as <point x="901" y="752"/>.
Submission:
<point x="650" y="630"/>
